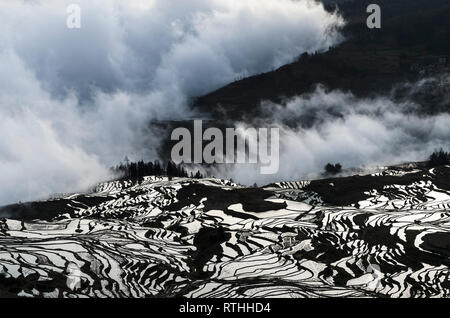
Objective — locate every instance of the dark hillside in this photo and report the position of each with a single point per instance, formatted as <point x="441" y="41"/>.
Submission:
<point x="414" y="36"/>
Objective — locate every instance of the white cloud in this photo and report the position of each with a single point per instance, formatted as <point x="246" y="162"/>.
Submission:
<point x="355" y="132"/>
<point x="73" y="102"/>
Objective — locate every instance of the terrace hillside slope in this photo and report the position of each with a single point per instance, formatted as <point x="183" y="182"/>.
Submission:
<point x="380" y="235"/>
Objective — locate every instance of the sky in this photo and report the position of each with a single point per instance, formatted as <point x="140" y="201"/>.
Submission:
<point x="74" y="102"/>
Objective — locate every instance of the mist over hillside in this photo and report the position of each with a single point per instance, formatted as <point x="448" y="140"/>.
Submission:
<point x="380" y="97"/>
<point x="76" y="101"/>
<point x="116" y="87"/>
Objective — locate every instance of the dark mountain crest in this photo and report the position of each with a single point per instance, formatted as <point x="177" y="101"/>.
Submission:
<point x="368" y="63"/>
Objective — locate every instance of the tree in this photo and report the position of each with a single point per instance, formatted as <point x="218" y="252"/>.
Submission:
<point x="333" y="169"/>
<point x="171" y="170"/>
<point x="136" y="171"/>
<point x="439" y="158"/>
<point x="198" y="175"/>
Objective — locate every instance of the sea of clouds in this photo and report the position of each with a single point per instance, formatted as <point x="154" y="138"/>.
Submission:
<point x="73" y="102"/>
